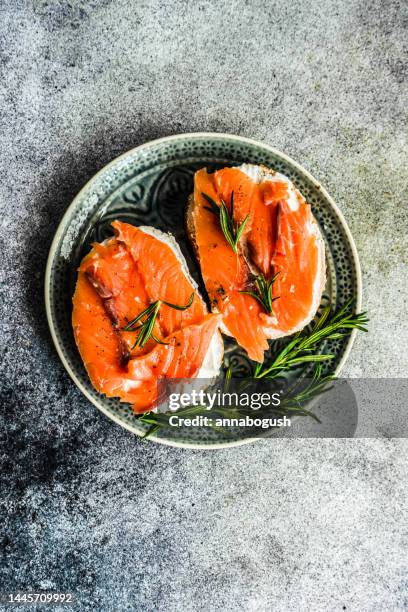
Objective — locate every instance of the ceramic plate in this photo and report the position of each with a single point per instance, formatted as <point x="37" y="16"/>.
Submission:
<point x="149" y="185"/>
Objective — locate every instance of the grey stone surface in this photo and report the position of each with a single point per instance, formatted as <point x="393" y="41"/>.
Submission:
<point x="87" y="507"/>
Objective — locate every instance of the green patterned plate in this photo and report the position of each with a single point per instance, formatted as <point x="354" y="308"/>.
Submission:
<point x="149" y="186"/>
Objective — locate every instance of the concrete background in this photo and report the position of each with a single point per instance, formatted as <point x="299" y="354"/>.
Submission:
<point x="88" y="508"/>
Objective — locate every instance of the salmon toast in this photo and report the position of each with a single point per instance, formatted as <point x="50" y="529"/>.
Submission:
<point x="260" y="251"/>
<point x="138" y="317"/>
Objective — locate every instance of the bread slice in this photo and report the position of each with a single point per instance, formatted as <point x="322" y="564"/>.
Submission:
<point x="260" y="174"/>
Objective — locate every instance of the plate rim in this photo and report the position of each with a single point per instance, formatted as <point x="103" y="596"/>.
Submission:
<point x="157" y="141"/>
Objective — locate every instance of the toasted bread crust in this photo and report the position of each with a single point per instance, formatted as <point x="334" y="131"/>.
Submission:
<point x="190" y="228"/>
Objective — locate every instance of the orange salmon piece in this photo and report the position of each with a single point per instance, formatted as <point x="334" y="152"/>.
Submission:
<point x="115" y="283"/>
<point x="110" y="269"/>
<point x="182" y="357"/>
<point x="297" y="259"/>
<point x="99" y="344"/>
<point x="162" y="276"/>
<point x="281" y="236"/>
<point x="225" y="274"/>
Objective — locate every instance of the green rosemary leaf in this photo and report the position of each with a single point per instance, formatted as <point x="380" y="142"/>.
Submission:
<point x="264" y="289"/>
<point x="232" y="231"/>
<point x="146" y="327"/>
<point x="341" y="311"/>
<point x="225" y="226"/>
<point x="300" y="349"/>
<point x="148" y="330"/>
<point x="255" y="296"/>
<point x="150" y="418"/>
<point x="240" y="229"/>
<point x="322" y="318"/>
<point x="309" y="358"/>
<point x="228" y="375"/>
<point x="336" y="336"/>
<point x="177" y="307"/>
<point x="213" y="206"/>
<point x="258" y="368"/>
<point x="142" y="314"/>
<point x="149" y="315"/>
<point x="156" y="339"/>
<point x="151" y="431"/>
<point x="361" y="328"/>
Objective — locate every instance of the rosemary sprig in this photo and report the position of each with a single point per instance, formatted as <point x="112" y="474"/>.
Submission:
<point x="300" y="349"/>
<point x="230" y="228"/>
<point x="263" y="292"/>
<point x="292" y="405"/>
<point x="145" y="320"/>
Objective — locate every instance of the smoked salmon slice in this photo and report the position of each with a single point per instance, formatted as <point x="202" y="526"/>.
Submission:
<point x="280" y="248"/>
<point x="122" y="277"/>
